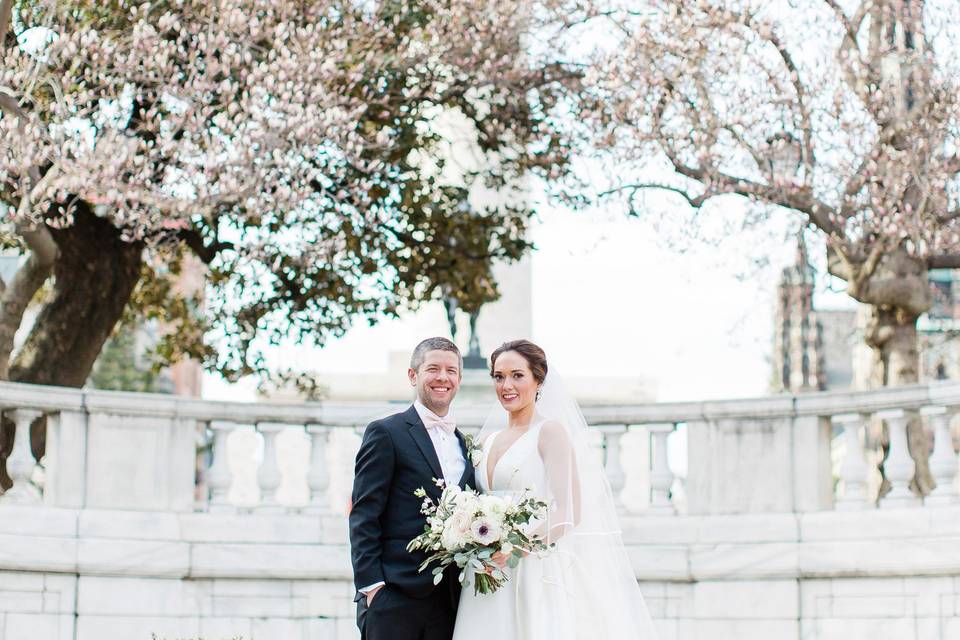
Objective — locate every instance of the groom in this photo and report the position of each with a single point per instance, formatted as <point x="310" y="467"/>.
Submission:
<point x="399" y="454"/>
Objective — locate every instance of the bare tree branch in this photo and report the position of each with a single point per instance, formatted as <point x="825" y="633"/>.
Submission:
<point x="952" y="164"/>
<point x="839" y="263"/>
<point x="23" y="286"/>
<point x="6" y="12"/>
<point x="757" y="158"/>
<point x="206" y="252"/>
<point x="8" y="104"/>
<point x="870" y="264"/>
<point x="792" y="197"/>
<point x="693" y="201"/>
<point x="806" y="126"/>
<point x="949" y="216"/>
<point x="849" y="50"/>
<point x="848" y="27"/>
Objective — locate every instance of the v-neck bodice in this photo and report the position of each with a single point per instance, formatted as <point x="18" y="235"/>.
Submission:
<point x="519" y="468"/>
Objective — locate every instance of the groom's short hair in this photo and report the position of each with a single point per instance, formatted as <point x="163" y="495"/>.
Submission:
<point x="432" y="344"/>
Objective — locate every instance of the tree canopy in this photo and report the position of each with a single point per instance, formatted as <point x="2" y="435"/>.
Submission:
<point x="845" y="113"/>
<point x="282" y="143"/>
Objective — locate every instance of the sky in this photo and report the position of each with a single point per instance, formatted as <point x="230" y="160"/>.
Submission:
<point x="615" y="296"/>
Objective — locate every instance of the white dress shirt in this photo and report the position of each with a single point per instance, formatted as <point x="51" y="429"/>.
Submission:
<point x="445" y="444"/>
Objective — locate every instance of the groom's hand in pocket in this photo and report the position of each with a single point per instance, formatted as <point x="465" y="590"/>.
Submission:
<point x="372" y="593"/>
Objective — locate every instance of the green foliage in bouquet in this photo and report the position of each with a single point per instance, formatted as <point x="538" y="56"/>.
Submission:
<point x="467" y="529"/>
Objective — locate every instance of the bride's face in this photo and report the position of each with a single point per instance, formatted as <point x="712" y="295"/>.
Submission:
<point x="516" y="387"/>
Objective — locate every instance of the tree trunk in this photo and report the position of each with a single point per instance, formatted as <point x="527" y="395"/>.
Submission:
<point x="95" y="274"/>
<point x="897" y="290"/>
<point x="892" y="334"/>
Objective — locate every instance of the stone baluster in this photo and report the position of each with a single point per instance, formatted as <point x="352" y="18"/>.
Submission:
<point x="21" y="463"/>
<point x="203" y="450"/>
<point x="318" y="478"/>
<point x="944" y="463"/>
<point x="219" y="476"/>
<point x="612" y="463"/>
<point x="661" y="477"/>
<point x="853" y="467"/>
<point x="269" y="476"/>
<point x="899" y="466"/>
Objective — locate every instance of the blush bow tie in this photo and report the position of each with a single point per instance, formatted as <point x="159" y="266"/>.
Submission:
<point x="435" y="422"/>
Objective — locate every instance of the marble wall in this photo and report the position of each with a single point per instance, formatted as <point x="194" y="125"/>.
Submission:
<point x="184" y="519"/>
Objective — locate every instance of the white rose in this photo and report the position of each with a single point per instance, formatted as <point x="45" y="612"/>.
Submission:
<point x="456" y="531"/>
<point x="453" y="539"/>
<point x="493" y="507"/>
<point x="466" y="500"/>
<point x="463" y="514"/>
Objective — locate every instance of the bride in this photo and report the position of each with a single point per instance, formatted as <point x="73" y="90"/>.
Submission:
<point x="584" y="587"/>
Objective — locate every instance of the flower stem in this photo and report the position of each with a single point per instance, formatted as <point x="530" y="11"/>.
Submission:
<point x="485" y="583"/>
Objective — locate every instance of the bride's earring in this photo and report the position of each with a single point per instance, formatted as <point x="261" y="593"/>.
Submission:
<point x="538" y="395"/>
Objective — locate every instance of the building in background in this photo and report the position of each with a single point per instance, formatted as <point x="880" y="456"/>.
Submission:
<point x="939" y="329"/>
<point x="824" y="349"/>
<point x="812" y="350"/>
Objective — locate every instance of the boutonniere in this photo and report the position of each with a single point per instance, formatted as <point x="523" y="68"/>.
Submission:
<point x="474" y="449"/>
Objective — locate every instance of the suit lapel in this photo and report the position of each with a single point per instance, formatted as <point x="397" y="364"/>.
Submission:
<point x="422" y="439"/>
<point x="467" y="478"/>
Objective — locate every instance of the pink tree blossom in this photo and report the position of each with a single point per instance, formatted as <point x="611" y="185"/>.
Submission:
<point x="845" y="113"/>
<point x="276" y="141"/>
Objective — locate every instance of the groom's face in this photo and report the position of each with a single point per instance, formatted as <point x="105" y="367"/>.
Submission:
<point x="437" y="380"/>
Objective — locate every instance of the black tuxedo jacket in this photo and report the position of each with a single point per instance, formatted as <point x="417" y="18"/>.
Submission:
<point x="396" y="458"/>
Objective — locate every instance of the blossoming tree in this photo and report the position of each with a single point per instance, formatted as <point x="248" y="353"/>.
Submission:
<point x="844" y="112"/>
<point x="280" y="142"/>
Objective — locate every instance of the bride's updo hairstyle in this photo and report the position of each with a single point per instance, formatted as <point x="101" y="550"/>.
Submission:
<point x="534" y="355"/>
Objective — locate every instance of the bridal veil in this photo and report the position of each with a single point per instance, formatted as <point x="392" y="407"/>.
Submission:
<point x="599" y="589"/>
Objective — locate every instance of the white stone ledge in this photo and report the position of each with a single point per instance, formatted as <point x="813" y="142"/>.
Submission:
<point x="743" y="561"/>
<point x="37" y="396"/>
<point x="293" y="528"/>
<point x="881" y="558"/>
<point x="773" y="527"/>
<point x="873" y="543"/>
<point x="217" y="560"/>
<point x="98" y="556"/>
<point x="38" y="553"/>
<point x="14" y="396"/>
<point x="879" y="523"/>
<point x="39" y="521"/>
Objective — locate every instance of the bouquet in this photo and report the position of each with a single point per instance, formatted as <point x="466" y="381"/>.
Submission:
<point x="466" y="528"/>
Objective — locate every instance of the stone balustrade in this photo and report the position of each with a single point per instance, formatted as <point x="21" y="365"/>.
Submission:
<point x="743" y="518"/>
<point x="777" y="454"/>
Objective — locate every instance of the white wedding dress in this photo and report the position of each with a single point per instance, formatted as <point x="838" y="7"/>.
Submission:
<point x="532" y="603"/>
<point x="584" y="587"/>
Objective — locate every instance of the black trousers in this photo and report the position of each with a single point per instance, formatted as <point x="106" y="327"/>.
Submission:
<point x="393" y="615"/>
